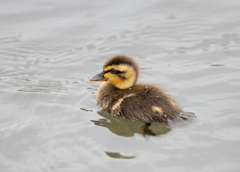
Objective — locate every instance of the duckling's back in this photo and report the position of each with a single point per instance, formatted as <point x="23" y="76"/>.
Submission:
<point x="142" y="103"/>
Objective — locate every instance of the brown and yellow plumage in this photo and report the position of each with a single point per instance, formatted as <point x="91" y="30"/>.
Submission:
<point x="121" y="96"/>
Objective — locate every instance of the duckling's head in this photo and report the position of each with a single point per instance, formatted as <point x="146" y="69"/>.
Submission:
<point x="121" y="71"/>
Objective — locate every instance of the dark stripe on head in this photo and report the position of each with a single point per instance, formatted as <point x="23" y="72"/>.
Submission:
<point x="113" y="71"/>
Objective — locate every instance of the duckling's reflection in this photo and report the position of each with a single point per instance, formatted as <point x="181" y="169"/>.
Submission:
<point x="118" y="155"/>
<point x="127" y="128"/>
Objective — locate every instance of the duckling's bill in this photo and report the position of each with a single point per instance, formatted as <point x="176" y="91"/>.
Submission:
<point x="98" y="77"/>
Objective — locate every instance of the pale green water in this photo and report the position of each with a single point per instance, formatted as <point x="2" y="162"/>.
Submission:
<point x="49" y="120"/>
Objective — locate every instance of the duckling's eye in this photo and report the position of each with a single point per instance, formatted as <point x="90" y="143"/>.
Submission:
<point x="113" y="71"/>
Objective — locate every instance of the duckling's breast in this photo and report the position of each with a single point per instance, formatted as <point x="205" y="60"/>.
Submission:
<point x="143" y="103"/>
<point x="108" y="96"/>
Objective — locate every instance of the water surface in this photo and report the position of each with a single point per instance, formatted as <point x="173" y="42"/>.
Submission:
<point x="49" y="118"/>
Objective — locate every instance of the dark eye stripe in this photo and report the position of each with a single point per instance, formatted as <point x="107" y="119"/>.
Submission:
<point x="115" y="71"/>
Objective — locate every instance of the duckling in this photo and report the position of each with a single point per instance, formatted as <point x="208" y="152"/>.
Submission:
<point x="120" y="95"/>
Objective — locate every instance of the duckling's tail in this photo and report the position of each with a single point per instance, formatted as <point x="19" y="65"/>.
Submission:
<point x="181" y="119"/>
<point x="187" y="116"/>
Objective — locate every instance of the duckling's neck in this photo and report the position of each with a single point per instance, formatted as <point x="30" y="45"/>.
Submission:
<point x="123" y="83"/>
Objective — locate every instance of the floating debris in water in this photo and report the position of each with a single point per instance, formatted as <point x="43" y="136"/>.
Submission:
<point x="118" y="155"/>
<point x="86" y="110"/>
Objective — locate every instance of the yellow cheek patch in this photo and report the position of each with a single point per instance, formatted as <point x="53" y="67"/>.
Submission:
<point x="107" y="75"/>
<point x="115" y="80"/>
